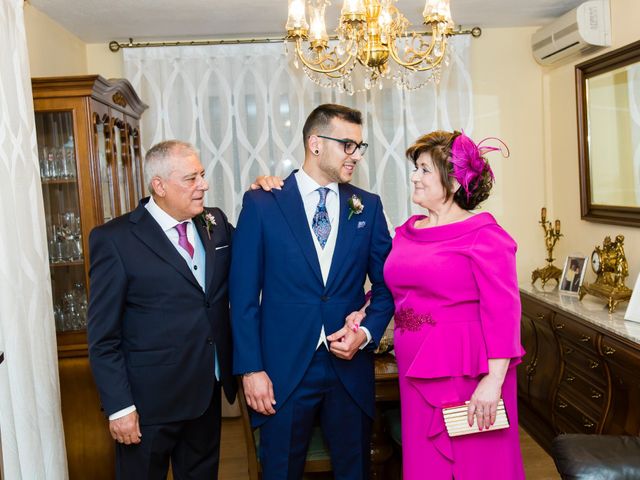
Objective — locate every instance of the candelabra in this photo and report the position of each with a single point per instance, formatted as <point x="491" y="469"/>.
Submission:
<point x="551" y="236"/>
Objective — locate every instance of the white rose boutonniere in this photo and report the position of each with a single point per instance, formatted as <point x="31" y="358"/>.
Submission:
<point x="209" y="221"/>
<point x="355" y="206"/>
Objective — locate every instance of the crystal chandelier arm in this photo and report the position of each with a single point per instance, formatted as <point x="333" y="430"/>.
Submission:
<point x="317" y="65"/>
<point x="418" y="57"/>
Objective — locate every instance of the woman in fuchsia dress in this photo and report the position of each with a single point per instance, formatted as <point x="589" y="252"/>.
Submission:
<point x="457" y="322"/>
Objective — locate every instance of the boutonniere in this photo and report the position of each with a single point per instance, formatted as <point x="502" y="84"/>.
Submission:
<point x="355" y="206"/>
<point x="209" y="221"/>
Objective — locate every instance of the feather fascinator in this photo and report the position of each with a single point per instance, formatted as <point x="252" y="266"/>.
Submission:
<point x="469" y="164"/>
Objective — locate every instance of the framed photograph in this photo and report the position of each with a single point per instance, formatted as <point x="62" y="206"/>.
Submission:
<point x="573" y="274"/>
<point x="633" y="310"/>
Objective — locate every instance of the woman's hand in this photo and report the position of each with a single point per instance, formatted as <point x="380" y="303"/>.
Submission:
<point x="484" y="401"/>
<point x="354" y="320"/>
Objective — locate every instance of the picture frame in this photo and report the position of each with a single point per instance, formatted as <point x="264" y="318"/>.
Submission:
<point x="575" y="267"/>
<point x="633" y="309"/>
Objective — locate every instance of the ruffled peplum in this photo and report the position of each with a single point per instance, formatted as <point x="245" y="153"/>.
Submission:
<point x="432" y="357"/>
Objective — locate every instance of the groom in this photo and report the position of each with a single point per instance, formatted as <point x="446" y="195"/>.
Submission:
<point x="299" y="262"/>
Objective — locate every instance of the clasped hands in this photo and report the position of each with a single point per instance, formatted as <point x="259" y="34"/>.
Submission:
<point x="344" y="344"/>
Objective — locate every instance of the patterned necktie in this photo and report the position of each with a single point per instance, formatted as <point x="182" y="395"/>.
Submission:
<point x="183" y="241"/>
<point x="321" y="225"/>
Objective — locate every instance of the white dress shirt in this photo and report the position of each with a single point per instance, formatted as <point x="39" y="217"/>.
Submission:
<point x="310" y="197"/>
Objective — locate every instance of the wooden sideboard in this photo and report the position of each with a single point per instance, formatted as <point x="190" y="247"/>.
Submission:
<point x="581" y="372"/>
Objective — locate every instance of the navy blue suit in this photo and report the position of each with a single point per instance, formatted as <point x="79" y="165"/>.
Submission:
<point x="152" y="330"/>
<point x="279" y="302"/>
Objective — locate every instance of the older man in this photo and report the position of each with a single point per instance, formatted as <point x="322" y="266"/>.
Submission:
<point x="159" y="335"/>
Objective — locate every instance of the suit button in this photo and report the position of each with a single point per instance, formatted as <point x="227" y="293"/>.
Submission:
<point x="324" y="298"/>
<point x="210" y="340"/>
<point x="208" y="305"/>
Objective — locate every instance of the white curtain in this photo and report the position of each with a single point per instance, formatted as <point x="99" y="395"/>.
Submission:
<point x="30" y="420"/>
<point x="244" y="106"/>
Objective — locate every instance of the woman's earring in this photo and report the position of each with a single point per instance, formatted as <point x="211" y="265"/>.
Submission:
<point x="317" y="152"/>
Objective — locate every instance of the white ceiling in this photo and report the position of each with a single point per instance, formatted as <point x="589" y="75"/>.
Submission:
<point x="97" y="21"/>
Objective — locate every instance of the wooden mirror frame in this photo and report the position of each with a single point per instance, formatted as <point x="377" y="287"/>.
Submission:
<point x="617" y="215"/>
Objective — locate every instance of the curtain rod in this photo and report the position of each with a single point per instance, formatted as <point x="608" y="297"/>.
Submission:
<point x="115" y="46"/>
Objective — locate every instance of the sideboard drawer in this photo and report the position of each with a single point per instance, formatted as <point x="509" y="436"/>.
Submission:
<point x="535" y="310"/>
<point x="588" y="363"/>
<point x="574" y="331"/>
<point x="592" y="394"/>
<point x="620" y="353"/>
<point x="568" y="414"/>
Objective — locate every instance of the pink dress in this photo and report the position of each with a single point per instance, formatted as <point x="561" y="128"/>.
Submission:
<point x="457" y="305"/>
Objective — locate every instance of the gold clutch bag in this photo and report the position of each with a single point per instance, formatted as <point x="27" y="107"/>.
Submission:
<point x="455" y="419"/>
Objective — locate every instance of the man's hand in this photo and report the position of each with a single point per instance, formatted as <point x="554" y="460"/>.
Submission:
<point x="345" y="343"/>
<point x="267" y="182"/>
<point x="258" y="391"/>
<point x="126" y="429"/>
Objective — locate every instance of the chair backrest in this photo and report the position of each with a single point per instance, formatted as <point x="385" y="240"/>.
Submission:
<point x="318" y="458"/>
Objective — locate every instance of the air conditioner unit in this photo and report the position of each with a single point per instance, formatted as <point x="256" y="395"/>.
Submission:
<point x="581" y="30"/>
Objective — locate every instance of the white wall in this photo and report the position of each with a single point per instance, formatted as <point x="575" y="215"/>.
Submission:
<point x="562" y="155"/>
<point x="508" y="104"/>
<point x="53" y="51"/>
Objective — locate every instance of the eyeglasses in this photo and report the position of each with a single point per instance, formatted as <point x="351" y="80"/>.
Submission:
<point x="350" y="146"/>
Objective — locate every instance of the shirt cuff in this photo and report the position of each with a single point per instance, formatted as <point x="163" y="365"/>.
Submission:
<point x="368" y="334"/>
<point x="122" y="413"/>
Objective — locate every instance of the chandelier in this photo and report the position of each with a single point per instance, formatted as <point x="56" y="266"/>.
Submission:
<point x="373" y="43"/>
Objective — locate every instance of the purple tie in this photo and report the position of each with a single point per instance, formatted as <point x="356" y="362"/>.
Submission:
<point x="183" y="241"/>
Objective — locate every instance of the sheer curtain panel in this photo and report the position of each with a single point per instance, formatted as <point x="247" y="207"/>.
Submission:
<point x="244" y="106"/>
<point x="30" y="420"/>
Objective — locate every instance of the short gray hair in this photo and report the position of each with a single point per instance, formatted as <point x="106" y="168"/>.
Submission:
<point x="158" y="159"/>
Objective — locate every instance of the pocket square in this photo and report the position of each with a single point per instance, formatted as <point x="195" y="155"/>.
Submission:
<point x="222" y="246"/>
<point x="361" y="224"/>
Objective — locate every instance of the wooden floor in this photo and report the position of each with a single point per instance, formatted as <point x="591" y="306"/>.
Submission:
<point x="233" y="458"/>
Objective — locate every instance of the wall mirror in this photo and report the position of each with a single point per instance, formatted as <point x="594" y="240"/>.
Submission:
<point x="608" y="100"/>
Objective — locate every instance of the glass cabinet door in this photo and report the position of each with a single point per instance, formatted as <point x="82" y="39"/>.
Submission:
<point x="134" y="158"/>
<point x="58" y="171"/>
<point x="120" y="156"/>
<point x="107" y="194"/>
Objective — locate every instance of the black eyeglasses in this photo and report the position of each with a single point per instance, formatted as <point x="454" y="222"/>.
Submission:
<point x="350" y="146"/>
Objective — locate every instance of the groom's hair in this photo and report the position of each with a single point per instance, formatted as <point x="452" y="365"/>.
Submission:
<point x="319" y="120"/>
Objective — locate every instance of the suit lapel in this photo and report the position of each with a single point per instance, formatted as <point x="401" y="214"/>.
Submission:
<point x="208" y="242"/>
<point x="150" y="233"/>
<point x="346" y="234"/>
<point x="292" y="207"/>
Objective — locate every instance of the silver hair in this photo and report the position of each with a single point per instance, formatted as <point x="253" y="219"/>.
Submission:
<point x="158" y="159"/>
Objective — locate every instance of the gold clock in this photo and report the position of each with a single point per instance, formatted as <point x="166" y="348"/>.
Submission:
<point x="611" y="268"/>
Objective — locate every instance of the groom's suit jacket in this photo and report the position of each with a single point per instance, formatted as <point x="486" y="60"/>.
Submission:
<point x="279" y="302"/>
<point x="152" y="329"/>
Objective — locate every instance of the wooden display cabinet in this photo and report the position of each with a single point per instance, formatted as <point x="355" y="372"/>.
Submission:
<point x="88" y="140"/>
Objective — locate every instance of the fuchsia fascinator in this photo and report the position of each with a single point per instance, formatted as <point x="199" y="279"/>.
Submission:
<point x="469" y="164"/>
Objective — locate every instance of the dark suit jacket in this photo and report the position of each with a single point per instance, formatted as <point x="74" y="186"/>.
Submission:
<point x="152" y="331"/>
<point x="279" y="302"/>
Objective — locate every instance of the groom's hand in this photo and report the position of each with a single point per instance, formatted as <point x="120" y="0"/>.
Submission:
<point x="258" y="391"/>
<point x="345" y="343"/>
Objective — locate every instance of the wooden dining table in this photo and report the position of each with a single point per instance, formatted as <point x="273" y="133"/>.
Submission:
<point x="387" y="392"/>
